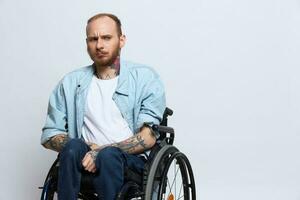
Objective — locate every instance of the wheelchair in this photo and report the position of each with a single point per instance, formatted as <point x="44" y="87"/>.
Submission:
<point x="167" y="174"/>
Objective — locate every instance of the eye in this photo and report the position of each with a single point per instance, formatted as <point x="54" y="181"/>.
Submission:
<point x="106" y="37"/>
<point x="92" y="39"/>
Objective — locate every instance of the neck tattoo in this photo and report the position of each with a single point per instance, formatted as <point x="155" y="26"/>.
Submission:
<point x="115" y="70"/>
<point x="116" y="66"/>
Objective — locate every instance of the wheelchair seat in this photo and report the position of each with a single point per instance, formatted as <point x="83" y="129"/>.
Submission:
<point x="159" y="179"/>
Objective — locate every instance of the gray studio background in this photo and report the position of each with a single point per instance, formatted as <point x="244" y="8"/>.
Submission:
<point x="230" y="68"/>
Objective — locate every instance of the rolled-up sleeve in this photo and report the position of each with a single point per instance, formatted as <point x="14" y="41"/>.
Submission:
<point x="153" y="103"/>
<point x="56" y="115"/>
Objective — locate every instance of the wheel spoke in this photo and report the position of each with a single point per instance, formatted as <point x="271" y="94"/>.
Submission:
<point x="180" y="197"/>
<point x="169" y="185"/>
<point x="175" y="178"/>
<point x="180" y="190"/>
<point x="184" y="184"/>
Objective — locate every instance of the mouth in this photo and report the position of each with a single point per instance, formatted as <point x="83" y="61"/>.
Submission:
<point x="101" y="54"/>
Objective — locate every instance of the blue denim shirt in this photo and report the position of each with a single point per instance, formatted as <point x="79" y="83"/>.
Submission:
<point x="139" y="95"/>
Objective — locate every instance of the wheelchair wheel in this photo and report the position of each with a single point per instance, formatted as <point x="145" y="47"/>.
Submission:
<point x="129" y="191"/>
<point x="50" y="186"/>
<point x="170" y="176"/>
<point x="49" y="191"/>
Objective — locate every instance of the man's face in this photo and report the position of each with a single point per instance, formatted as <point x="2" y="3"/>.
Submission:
<point x="103" y="41"/>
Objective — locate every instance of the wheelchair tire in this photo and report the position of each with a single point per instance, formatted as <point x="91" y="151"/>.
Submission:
<point x="49" y="190"/>
<point x="160" y="172"/>
<point x="130" y="190"/>
<point x="50" y="184"/>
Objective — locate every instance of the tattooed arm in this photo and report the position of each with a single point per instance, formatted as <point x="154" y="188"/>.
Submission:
<point x="57" y="142"/>
<point x="138" y="143"/>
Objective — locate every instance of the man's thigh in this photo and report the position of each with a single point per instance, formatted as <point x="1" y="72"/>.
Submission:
<point x="114" y="157"/>
<point x="74" y="149"/>
<point x="135" y="162"/>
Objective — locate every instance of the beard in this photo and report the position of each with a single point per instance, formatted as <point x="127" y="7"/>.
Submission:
<point x="107" y="60"/>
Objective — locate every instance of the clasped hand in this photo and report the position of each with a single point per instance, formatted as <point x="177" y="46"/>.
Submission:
<point x="88" y="162"/>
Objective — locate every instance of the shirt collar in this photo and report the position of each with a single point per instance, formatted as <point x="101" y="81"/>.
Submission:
<point x="122" y="87"/>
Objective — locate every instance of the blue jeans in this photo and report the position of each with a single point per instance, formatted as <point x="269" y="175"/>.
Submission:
<point x="107" y="180"/>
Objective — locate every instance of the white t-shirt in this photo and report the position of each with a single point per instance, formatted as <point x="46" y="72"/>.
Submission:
<point x="103" y="122"/>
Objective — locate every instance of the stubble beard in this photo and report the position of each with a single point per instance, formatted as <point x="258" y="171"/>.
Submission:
<point x="107" y="61"/>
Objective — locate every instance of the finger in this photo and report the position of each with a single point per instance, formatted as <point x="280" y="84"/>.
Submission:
<point x="86" y="156"/>
<point x="85" y="160"/>
<point x="87" y="163"/>
<point x="90" y="166"/>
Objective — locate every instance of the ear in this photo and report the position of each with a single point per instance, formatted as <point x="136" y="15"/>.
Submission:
<point x="122" y="41"/>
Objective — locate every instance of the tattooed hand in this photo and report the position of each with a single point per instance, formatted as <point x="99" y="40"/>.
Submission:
<point x="88" y="161"/>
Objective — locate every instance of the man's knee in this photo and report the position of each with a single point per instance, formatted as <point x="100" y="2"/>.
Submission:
<point x="72" y="147"/>
<point x="109" y="155"/>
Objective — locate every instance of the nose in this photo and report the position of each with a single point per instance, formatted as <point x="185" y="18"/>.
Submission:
<point x="99" y="44"/>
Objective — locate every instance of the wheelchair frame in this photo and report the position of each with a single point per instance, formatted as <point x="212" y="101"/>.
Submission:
<point x="150" y="185"/>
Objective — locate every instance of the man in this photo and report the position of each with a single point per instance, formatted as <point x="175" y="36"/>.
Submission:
<point x="99" y="117"/>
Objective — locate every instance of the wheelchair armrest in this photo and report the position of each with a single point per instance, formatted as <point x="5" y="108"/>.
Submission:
<point x="166" y="133"/>
<point x="161" y="128"/>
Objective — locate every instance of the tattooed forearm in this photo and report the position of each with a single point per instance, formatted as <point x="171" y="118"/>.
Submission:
<point x="57" y="142"/>
<point x="135" y="144"/>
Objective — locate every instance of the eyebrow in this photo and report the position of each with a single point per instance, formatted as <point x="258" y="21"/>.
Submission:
<point x="96" y="36"/>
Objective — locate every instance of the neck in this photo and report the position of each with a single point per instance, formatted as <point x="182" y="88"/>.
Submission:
<point x="108" y="72"/>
